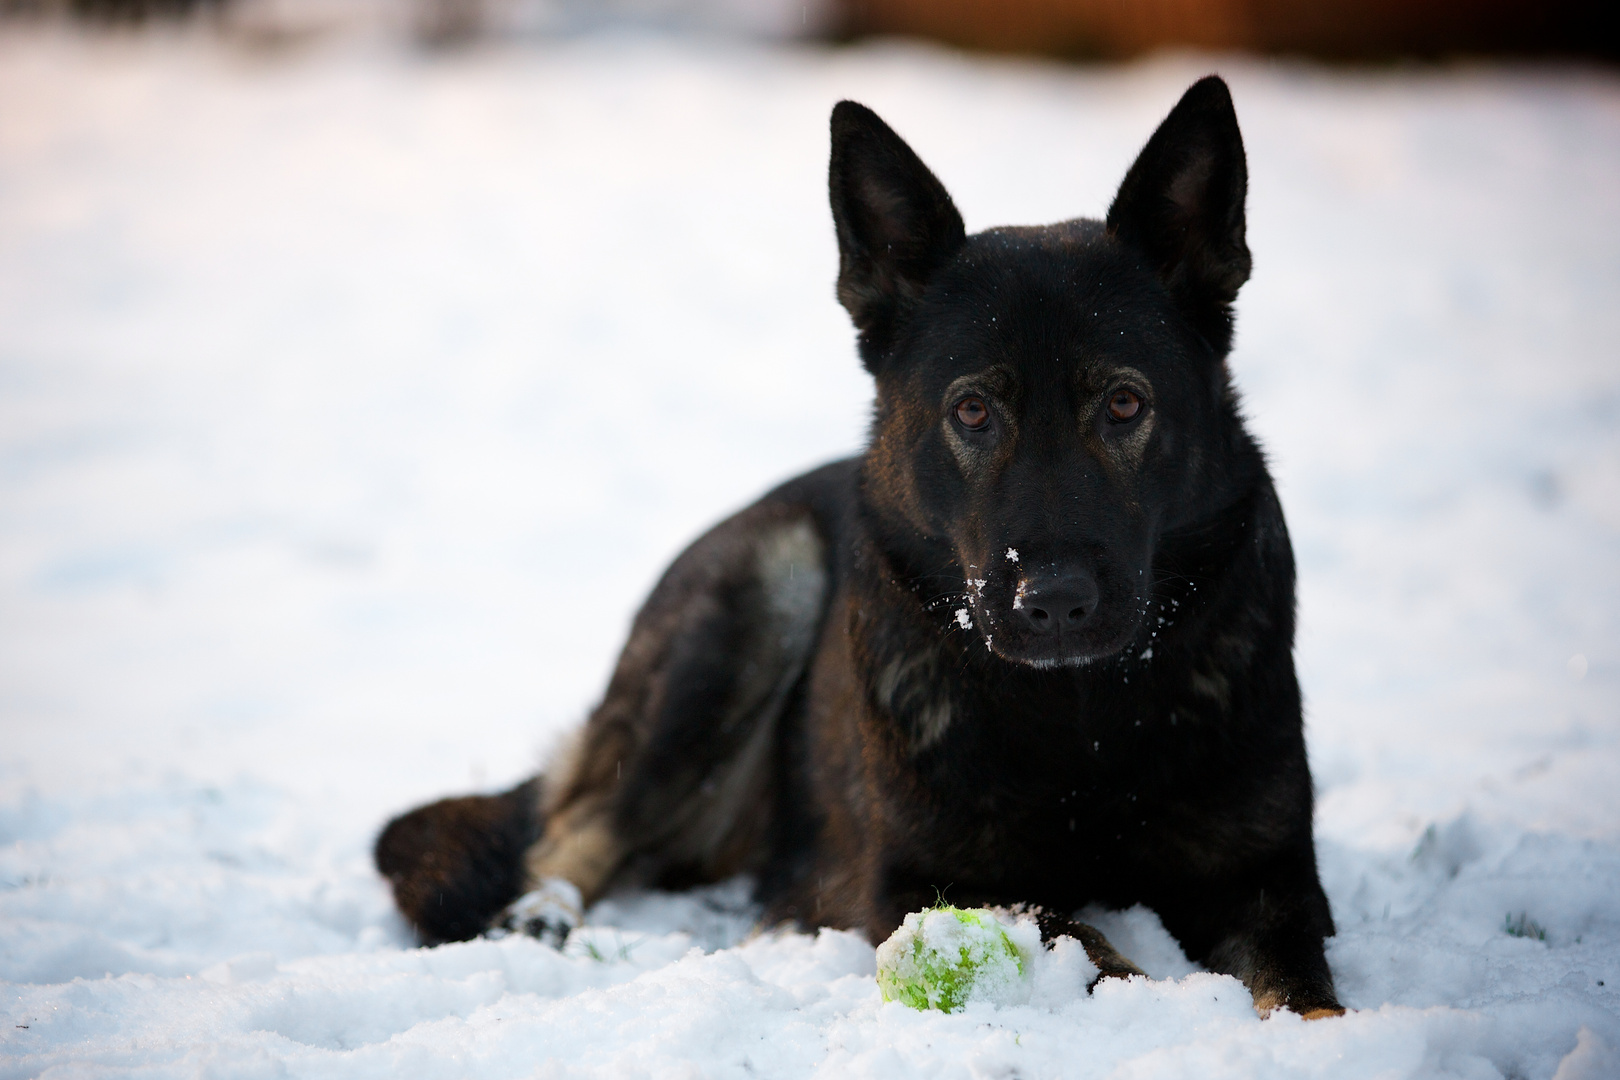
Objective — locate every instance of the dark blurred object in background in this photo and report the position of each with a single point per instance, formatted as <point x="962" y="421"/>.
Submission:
<point x="1337" y="29"/>
<point x="112" y="11"/>
<point x="1078" y="29"/>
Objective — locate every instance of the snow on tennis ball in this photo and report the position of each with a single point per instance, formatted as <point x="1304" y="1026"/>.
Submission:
<point x="945" y="957"/>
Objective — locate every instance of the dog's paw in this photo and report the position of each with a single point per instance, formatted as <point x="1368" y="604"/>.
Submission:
<point x="548" y="913"/>
<point x="1111" y="963"/>
<point x="1323" y="1013"/>
<point x="1306" y="1006"/>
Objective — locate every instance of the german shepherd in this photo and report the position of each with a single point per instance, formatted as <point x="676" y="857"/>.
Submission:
<point x="1033" y="647"/>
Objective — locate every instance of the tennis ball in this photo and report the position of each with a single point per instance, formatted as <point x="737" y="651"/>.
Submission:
<point x="945" y="957"/>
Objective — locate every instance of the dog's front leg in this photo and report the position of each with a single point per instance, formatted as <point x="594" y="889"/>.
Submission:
<point x="1266" y="928"/>
<point x="1281" y="962"/>
<point x="1111" y="963"/>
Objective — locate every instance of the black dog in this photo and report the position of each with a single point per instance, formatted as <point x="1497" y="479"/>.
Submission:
<point x="1034" y="646"/>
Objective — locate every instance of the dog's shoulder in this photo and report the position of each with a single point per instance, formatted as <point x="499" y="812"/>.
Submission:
<point x="779" y="549"/>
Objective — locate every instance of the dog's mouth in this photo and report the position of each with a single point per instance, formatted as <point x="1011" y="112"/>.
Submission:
<point x="1057" y="650"/>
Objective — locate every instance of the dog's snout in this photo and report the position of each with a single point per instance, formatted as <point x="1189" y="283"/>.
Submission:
<point x="1055" y="604"/>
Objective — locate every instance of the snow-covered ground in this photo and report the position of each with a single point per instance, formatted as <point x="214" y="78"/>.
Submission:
<point x="350" y="399"/>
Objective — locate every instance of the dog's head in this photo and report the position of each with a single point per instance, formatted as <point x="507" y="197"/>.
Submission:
<point x="1050" y="400"/>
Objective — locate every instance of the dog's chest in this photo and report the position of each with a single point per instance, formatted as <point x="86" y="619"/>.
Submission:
<point x="1031" y="798"/>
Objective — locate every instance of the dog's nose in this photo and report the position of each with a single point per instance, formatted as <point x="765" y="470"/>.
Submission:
<point x="1054" y="604"/>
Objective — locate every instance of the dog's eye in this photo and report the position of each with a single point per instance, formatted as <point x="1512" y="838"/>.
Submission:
<point x="972" y="413"/>
<point x="1123" y="405"/>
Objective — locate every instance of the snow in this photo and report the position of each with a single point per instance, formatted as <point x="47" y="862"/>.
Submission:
<point x="351" y="398"/>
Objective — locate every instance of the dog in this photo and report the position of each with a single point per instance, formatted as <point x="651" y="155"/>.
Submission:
<point x="1033" y="648"/>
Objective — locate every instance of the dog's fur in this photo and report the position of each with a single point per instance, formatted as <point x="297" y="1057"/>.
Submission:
<point x="1039" y="654"/>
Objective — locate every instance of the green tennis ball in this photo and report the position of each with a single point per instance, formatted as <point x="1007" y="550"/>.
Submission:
<point x="945" y="957"/>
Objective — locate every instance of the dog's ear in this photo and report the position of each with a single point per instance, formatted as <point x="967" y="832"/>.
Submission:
<point x="1181" y="205"/>
<point x="896" y="224"/>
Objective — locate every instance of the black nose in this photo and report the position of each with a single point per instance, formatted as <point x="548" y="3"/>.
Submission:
<point x="1057" y="603"/>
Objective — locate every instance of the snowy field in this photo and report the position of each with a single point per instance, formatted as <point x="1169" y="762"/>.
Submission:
<point x="350" y="400"/>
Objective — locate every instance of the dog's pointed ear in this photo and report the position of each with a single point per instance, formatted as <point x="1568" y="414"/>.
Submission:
<point x="1181" y="205"/>
<point x="896" y="223"/>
